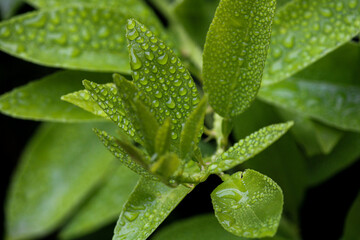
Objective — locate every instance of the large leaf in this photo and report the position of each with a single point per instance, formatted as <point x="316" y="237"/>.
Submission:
<point x="343" y="155"/>
<point x="88" y="37"/>
<point x="59" y="167"/>
<point x="248" y="204"/>
<point x="149" y="204"/>
<point x="305" y="31"/>
<point x="249" y="147"/>
<point x="334" y="104"/>
<point x="157" y="71"/>
<point x="282" y="161"/>
<point x="235" y="52"/>
<point x="352" y="231"/>
<point x="40" y="100"/>
<point x="104" y="206"/>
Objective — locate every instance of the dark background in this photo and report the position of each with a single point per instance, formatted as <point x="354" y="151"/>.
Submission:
<point x="322" y="213"/>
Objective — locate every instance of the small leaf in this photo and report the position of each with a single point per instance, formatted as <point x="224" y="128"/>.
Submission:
<point x="149" y="204"/>
<point x="106" y="96"/>
<point x="333" y="104"/>
<point x="248" y="204"/>
<point x="166" y="165"/>
<point x="88" y="37"/>
<point x="159" y="73"/>
<point x="249" y="147"/>
<point x="163" y="136"/>
<point x="104" y="206"/>
<point x="40" y="100"/>
<point x="304" y="31"/>
<point x="59" y="167"/>
<point x="121" y="150"/>
<point x="235" y="52"/>
<point x="192" y="129"/>
<point x="352" y="231"/>
<point x="83" y="100"/>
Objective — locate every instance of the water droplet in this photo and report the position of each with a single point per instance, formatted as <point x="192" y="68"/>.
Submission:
<point x="174" y="135"/>
<point x="131" y="24"/>
<point x="134" y="60"/>
<point x="353" y="3"/>
<point x="104" y="32"/>
<point x="170" y="103"/>
<point x="158" y="94"/>
<point x="163" y="59"/>
<point x="149" y="55"/>
<point x="20" y="48"/>
<point x="5" y="32"/>
<point x="132" y="34"/>
<point x="74" y="52"/>
<point x="289" y="41"/>
<point x="325" y="12"/>
<point x="37" y="21"/>
<point x="131" y="216"/>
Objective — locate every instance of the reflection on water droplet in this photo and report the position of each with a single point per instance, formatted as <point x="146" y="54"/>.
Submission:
<point x="131" y="24"/>
<point x="163" y="59"/>
<point x="170" y="103"/>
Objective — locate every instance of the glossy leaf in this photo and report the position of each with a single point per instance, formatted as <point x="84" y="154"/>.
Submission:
<point x="122" y="151"/>
<point x="200" y="227"/>
<point x="83" y="100"/>
<point x="104" y="206"/>
<point x="40" y="100"/>
<point x="235" y="52"/>
<point x="282" y="161"/>
<point x="158" y="72"/>
<point x="249" y="147"/>
<point x="77" y="37"/>
<point x="149" y="204"/>
<point x="166" y="165"/>
<point x="248" y="204"/>
<point x="59" y="167"/>
<point x="332" y="104"/>
<point x="192" y="129"/>
<point x="351" y="230"/>
<point x="343" y="155"/>
<point x="304" y="31"/>
<point x="106" y="96"/>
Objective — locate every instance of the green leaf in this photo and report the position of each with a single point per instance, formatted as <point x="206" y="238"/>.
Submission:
<point x="104" y="206"/>
<point x="83" y="100"/>
<point x="196" y="17"/>
<point x="305" y="31"/>
<point x="282" y="161"/>
<point x="163" y="136"/>
<point x="235" y="52"/>
<point x="59" y="167"/>
<point x="343" y="155"/>
<point x="192" y="131"/>
<point x="106" y="96"/>
<point x="40" y="100"/>
<point x="166" y="165"/>
<point x="149" y="204"/>
<point x="123" y="150"/>
<point x="200" y="227"/>
<point x="159" y="73"/>
<point x="352" y="231"/>
<point x="316" y="138"/>
<point x="248" y="204"/>
<point x="249" y="147"/>
<point x="89" y="37"/>
<point x="333" y="104"/>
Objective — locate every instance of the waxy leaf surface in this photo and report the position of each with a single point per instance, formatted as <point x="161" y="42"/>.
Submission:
<point x="249" y="147"/>
<point x="149" y="204"/>
<point x="104" y="206"/>
<point x="248" y="204"/>
<point x="158" y="72"/>
<point x="59" y="167"/>
<point x="333" y="104"/>
<point x="40" y="100"/>
<point x="235" y="52"/>
<point x="77" y="37"/>
<point x="306" y="30"/>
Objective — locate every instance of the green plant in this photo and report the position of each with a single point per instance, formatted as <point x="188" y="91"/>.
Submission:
<point x="160" y="113"/>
